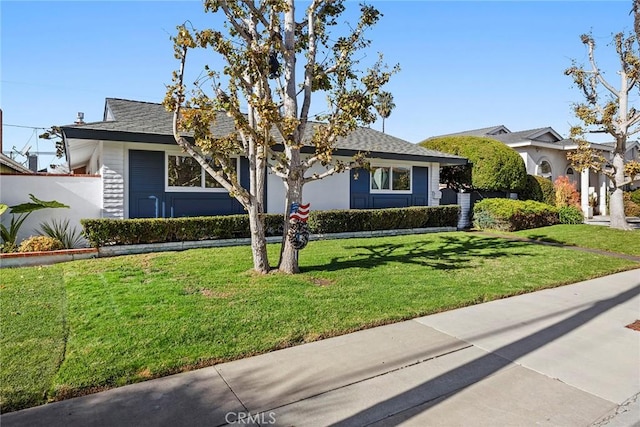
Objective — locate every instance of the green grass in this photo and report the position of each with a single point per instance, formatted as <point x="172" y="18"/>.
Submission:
<point x="588" y="236"/>
<point x="120" y="320"/>
<point x="33" y="329"/>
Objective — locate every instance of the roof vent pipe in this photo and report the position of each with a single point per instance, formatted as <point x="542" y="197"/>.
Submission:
<point x="80" y="118"/>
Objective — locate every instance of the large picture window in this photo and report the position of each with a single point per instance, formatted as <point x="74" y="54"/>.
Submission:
<point x="185" y="173"/>
<point x="391" y="178"/>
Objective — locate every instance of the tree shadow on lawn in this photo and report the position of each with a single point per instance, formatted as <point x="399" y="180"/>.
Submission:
<point x="541" y="238"/>
<point x="454" y="253"/>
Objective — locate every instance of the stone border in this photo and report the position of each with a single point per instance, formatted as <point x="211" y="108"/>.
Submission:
<point x="25" y="259"/>
<point x="43" y="258"/>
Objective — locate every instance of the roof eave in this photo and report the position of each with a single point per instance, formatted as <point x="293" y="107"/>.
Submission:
<point x="113" y="135"/>
<point x="110" y="135"/>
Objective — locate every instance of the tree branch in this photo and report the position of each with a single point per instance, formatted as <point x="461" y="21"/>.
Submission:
<point x="186" y="145"/>
<point x="591" y="46"/>
<point x="259" y="14"/>
<point x="240" y="29"/>
<point x="310" y="66"/>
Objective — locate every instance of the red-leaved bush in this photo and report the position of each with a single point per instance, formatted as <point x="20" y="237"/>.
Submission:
<point x="566" y="193"/>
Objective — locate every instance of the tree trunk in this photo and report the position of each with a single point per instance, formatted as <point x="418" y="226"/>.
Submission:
<point x="616" y="202"/>
<point x="257" y="165"/>
<point x="258" y="240"/>
<point x="288" y="262"/>
<point x="288" y="255"/>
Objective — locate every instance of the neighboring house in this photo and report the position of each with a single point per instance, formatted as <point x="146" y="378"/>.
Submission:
<point x="544" y="153"/>
<point x="146" y="174"/>
<point x="10" y="166"/>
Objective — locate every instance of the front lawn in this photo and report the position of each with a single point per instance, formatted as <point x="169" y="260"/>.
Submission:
<point x="82" y="326"/>
<point x="588" y="236"/>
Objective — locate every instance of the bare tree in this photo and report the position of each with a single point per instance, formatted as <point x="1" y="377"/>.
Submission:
<point x="608" y="109"/>
<point x="263" y="48"/>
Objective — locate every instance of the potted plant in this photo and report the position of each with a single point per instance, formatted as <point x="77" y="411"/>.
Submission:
<point x="593" y="204"/>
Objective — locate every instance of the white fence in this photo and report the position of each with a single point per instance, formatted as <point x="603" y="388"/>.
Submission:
<point x="83" y="195"/>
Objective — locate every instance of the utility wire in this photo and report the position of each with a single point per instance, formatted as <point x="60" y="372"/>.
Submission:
<point x="25" y="127"/>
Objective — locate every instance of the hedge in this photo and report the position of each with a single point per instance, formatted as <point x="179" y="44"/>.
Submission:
<point x="104" y="232"/>
<point x="496" y="167"/>
<point x="513" y="215"/>
<point x="342" y="221"/>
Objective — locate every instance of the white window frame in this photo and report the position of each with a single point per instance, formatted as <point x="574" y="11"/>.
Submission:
<point x="391" y="190"/>
<point x="202" y="188"/>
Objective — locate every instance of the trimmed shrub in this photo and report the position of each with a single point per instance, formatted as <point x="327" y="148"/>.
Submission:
<point x="548" y="190"/>
<point x="496" y="167"/>
<point x="104" y="232"/>
<point x="532" y="190"/>
<point x="40" y="244"/>
<point x="631" y="207"/>
<point x="513" y="215"/>
<point x="342" y="221"/>
<point x="570" y="215"/>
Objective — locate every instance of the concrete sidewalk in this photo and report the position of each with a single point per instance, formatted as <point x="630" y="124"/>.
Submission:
<point x="560" y="357"/>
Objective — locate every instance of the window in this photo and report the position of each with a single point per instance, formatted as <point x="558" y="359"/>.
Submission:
<point x="387" y="178"/>
<point x="185" y="173"/>
<point x="572" y="175"/>
<point x="544" y="169"/>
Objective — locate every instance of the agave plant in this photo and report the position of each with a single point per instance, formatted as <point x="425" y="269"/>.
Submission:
<point x="60" y="230"/>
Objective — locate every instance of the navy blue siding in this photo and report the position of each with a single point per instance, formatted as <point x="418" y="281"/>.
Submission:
<point x="361" y="197"/>
<point x="146" y="180"/>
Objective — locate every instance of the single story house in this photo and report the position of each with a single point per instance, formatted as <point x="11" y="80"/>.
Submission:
<point x="10" y="166"/>
<point x="544" y="152"/>
<point x="146" y="174"/>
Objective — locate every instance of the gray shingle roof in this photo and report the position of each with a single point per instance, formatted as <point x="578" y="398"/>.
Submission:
<point x="507" y="138"/>
<point x="523" y="135"/>
<point x="473" y="132"/>
<point x="149" y="119"/>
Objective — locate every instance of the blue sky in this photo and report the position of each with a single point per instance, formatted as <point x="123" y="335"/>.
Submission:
<point x="465" y="65"/>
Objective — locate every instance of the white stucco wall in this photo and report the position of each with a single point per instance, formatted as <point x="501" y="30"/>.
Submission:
<point x="329" y="193"/>
<point x="533" y="156"/>
<point x="82" y="194"/>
